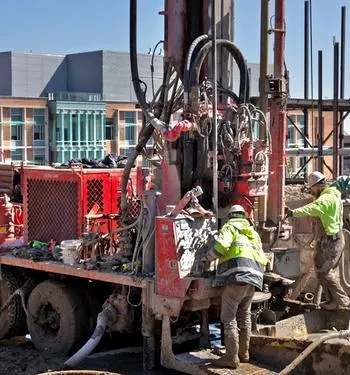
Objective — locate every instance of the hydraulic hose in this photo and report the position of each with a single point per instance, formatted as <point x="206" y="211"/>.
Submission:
<point x="312" y="347"/>
<point x="91" y="344"/>
<point x="244" y="93"/>
<point x="195" y="43"/>
<point x="133" y="56"/>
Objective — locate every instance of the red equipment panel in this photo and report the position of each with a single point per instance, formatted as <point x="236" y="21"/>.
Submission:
<point x="180" y="245"/>
<point x="55" y="201"/>
<point x="168" y="282"/>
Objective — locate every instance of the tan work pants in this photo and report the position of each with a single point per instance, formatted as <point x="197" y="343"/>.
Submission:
<point x="236" y="301"/>
<point x="327" y="256"/>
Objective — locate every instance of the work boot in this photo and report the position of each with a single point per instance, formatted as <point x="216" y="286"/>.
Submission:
<point x="230" y="358"/>
<point x="244" y="339"/>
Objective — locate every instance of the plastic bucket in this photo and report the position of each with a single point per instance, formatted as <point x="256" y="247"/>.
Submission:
<point x="70" y="251"/>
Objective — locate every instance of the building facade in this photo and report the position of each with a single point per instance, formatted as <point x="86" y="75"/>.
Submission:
<point x="24" y="130"/>
<point x="55" y="108"/>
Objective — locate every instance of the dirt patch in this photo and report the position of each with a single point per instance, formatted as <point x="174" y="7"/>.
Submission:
<point x="18" y="357"/>
<point x="295" y="193"/>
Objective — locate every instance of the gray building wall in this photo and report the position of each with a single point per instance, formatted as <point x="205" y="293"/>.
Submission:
<point x="5" y="74"/>
<point x="117" y="82"/>
<point x="35" y="75"/>
<point x="104" y="72"/>
<point x="254" y="78"/>
<point x="84" y="72"/>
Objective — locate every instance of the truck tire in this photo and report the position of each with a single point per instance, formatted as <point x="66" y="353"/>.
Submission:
<point x="57" y="320"/>
<point x="12" y="319"/>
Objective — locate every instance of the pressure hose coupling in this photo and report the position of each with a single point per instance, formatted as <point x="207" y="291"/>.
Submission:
<point x="171" y="134"/>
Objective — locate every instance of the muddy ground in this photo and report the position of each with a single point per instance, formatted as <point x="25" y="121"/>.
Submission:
<point x="296" y="192"/>
<point x="18" y="357"/>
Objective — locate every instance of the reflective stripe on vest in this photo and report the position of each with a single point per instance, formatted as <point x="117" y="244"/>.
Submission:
<point x="245" y="244"/>
<point x="241" y="270"/>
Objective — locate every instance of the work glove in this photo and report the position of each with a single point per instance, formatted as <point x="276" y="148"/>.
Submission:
<point x="288" y="212"/>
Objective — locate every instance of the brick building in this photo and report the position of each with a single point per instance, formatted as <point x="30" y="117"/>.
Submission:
<point x="54" y="108"/>
<point x="59" y="107"/>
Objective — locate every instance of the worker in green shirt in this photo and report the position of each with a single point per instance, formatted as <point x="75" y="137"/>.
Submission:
<point x="328" y="208"/>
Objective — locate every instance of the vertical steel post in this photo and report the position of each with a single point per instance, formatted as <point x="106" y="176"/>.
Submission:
<point x="215" y="115"/>
<point x="320" y="115"/>
<point x="264" y="66"/>
<point x="264" y="58"/>
<point x="335" y="109"/>
<point x="278" y="121"/>
<point x="306" y="66"/>
<point x="342" y="80"/>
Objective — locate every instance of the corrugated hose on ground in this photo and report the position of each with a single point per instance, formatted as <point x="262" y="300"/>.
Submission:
<point x="311" y="348"/>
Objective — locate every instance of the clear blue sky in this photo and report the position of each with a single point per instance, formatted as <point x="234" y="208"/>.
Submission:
<point x="66" y="26"/>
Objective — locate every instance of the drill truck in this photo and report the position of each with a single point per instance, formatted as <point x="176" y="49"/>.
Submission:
<point x="123" y="247"/>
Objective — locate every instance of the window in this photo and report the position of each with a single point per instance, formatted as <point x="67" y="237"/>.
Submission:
<point x="16" y="132"/>
<point x="294" y="138"/>
<point x="39" y="156"/>
<point x="109" y="129"/>
<point x="130" y="117"/>
<point x="39" y="133"/>
<point x="129" y="151"/>
<point x="17" y="154"/>
<point x="39" y="116"/>
<point x="130" y="127"/>
<point x="39" y="124"/>
<point x="130" y="133"/>
<point x="17" y="115"/>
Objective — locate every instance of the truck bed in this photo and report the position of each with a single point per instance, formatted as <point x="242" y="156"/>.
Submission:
<point x="76" y="271"/>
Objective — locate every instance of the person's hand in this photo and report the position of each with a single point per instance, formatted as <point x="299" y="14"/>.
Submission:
<point x="288" y="212"/>
<point x="207" y="259"/>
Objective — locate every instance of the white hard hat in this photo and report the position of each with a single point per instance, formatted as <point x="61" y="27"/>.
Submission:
<point x="236" y="208"/>
<point x="315" y="178"/>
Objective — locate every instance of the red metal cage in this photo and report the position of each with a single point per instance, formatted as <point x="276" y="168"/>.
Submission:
<point x="55" y="201"/>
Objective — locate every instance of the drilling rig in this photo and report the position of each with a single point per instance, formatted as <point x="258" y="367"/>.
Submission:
<point x="138" y="269"/>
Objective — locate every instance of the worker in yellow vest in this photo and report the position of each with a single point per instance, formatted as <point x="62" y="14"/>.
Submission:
<point x="328" y="208"/>
<point x="240" y="270"/>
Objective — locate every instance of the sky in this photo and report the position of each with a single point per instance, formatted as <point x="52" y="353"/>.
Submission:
<point x="67" y="26"/>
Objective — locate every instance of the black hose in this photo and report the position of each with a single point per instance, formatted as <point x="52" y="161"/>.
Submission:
<point x="133" y="56"/>
<point x="152" y="64"/>
<point x="244" y="89"/>
<point x="189" y="58"/>
<point x="147" y="131"/>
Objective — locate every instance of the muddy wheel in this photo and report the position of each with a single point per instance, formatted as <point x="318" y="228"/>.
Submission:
<point x="57" y="318"/>
<point x="12" y="319"/>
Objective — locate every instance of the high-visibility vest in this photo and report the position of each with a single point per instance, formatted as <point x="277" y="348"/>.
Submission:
<point x="240" y="253"/>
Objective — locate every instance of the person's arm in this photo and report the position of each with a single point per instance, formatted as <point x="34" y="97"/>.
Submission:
<point x="224" y="240"/>
<point x="222" y="244"/>
<point x="317" y="208"/>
